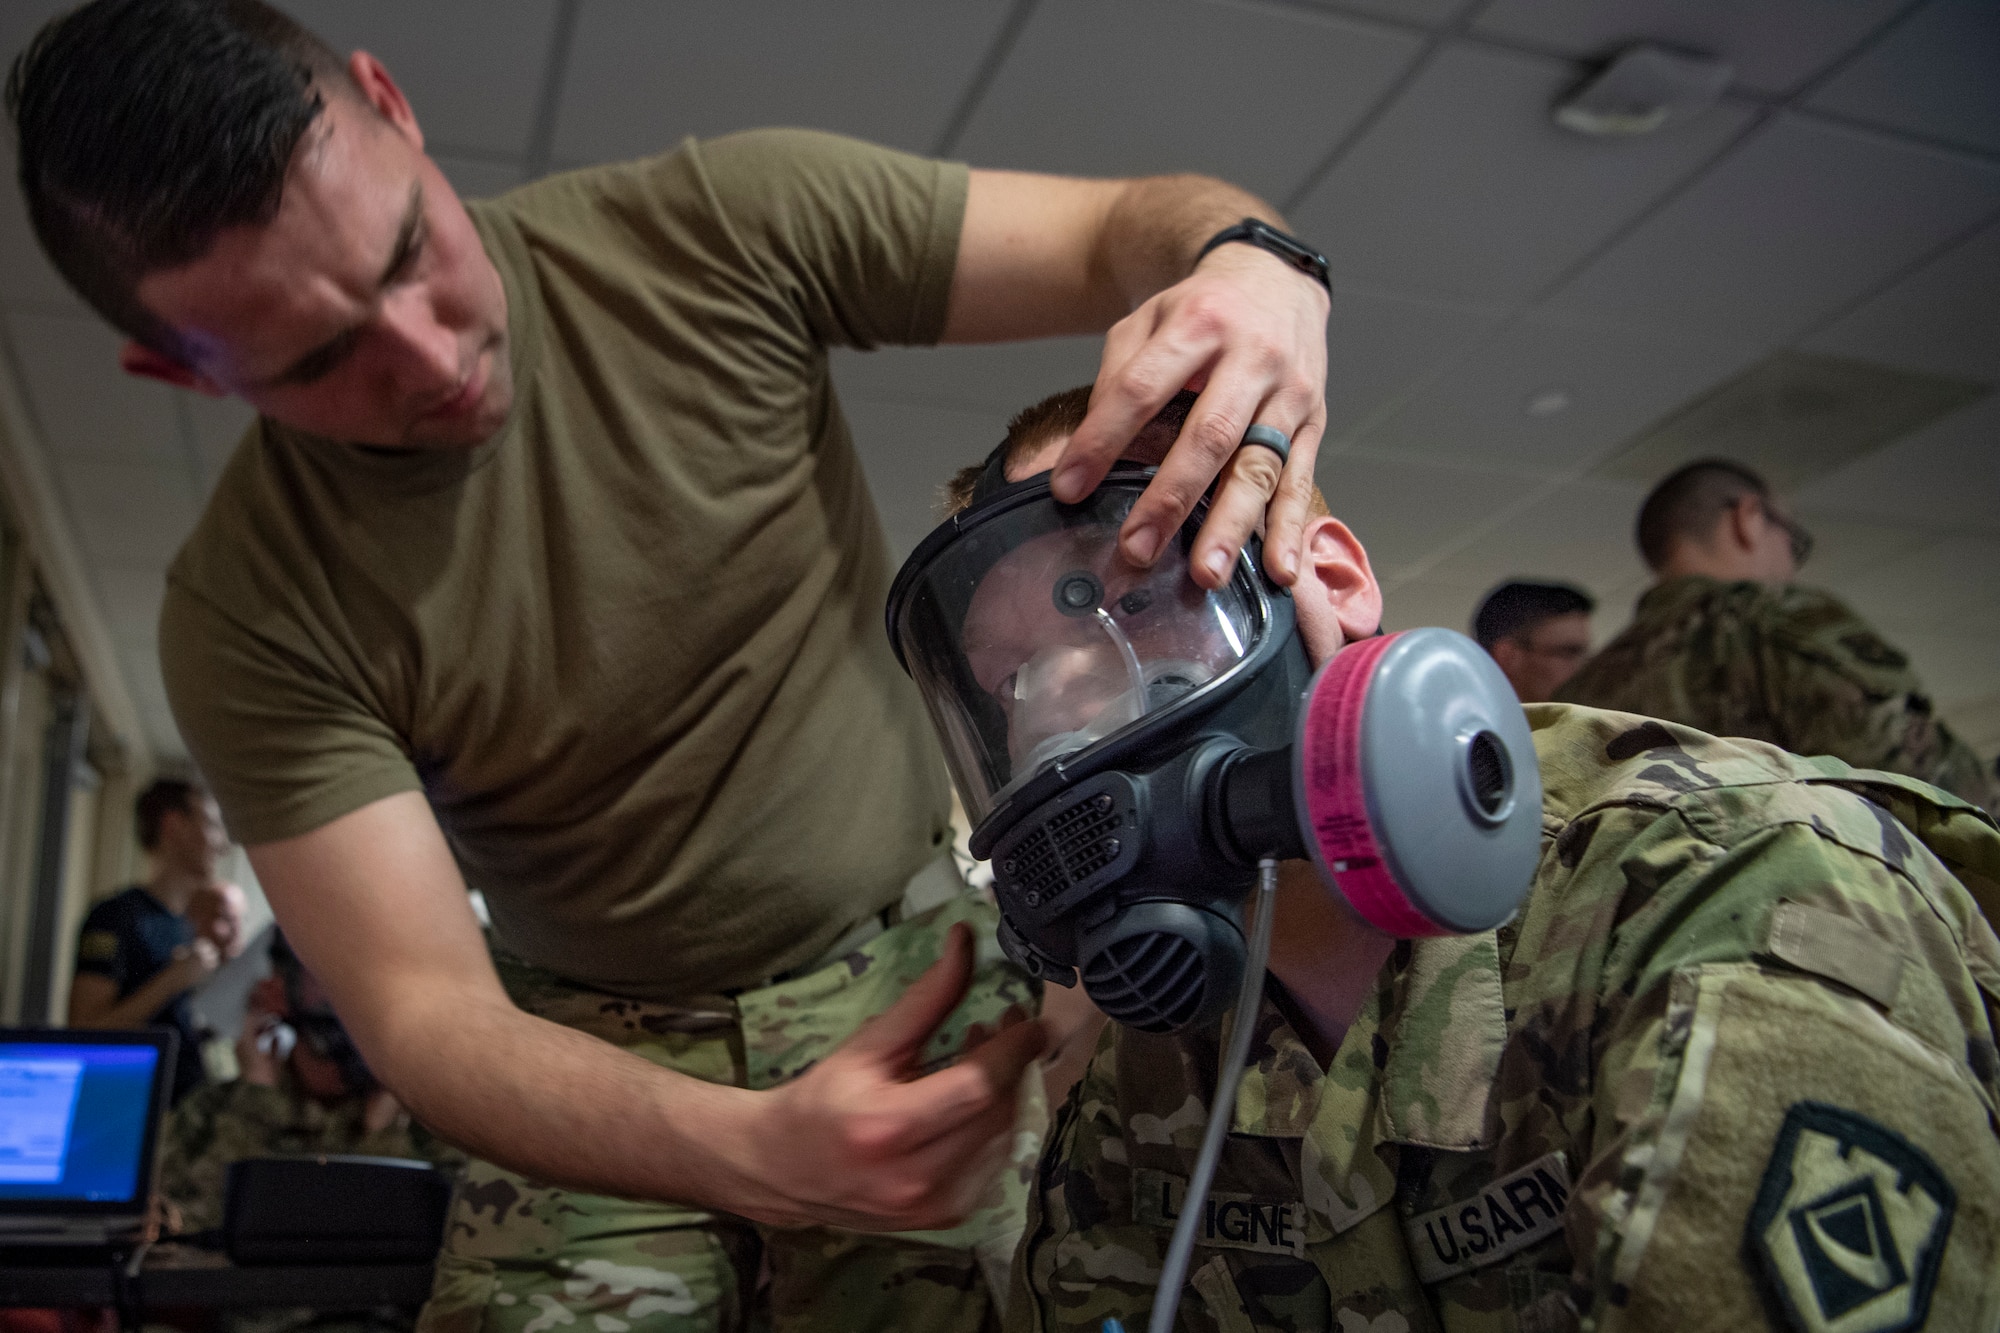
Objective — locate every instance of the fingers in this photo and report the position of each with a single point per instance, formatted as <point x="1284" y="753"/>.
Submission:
<point x="1289" y="510"/>
<point x="942" y="1104"/>
<point x="898" y="1033"/>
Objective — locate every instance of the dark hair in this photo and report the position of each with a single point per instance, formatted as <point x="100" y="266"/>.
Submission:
<point x="147" y="127"/>
<point x="1516" y="607"/>
<point x="1687" y="504"/>
<point x="162" y="797"/>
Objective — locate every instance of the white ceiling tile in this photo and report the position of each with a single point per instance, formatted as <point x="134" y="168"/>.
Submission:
<point x="1378" y="345"/>
<point x="127" y="513"/>
<point x="1102" y="88"/>
<point x="643" y="75"/>
<point x="1937" y="73"/>
<point x="909" y="451"/>
<point x="1615" y="381"/>
<point x="149" y="695"/>
<point x="480" y="177"/>
<point x="1580" y="533"/>
<point x="1775" y="45"/>
<point x="471" y="68"/>
<point x="1465" y="188"/>
<point x="1944" y="476"/>
<point x="998" y="379"/>
<point x="1403" y="509"/>
<point x="1942" y="587"/>
<point x="1800" y="221"/>
<point x="1430" y="13"/>
<point x="1944" y="318"/>
<point x="87" y="407"/>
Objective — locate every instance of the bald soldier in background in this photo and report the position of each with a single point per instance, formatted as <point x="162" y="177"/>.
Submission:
<point x="1725" y="641"/>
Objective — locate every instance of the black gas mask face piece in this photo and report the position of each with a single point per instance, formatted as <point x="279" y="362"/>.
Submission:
<point x="1128" y="746"/>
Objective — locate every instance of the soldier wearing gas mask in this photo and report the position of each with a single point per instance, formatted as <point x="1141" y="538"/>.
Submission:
<point x="1730" y="1063"/>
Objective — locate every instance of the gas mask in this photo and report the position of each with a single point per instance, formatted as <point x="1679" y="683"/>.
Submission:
<point x="1130" y="746"/>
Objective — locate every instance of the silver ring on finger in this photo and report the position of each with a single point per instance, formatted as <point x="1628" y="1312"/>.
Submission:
<point x="1270" y="437"/>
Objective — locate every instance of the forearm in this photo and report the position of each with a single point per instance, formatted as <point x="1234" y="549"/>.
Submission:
<point x="1157" y="226"/>
<point x="560" y="1106"/>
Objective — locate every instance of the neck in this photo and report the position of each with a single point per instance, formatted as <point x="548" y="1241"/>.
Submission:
<point x="1707" y="562"/>
<point x="1326" y="957"/>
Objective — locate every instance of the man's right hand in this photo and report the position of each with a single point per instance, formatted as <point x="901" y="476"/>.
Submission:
<point x="863" y="1140"/>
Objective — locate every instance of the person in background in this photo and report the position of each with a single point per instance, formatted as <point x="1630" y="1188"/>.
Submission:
<point x="304" y="1088"/>
<point x="1726" y="641"/>
<point x="217" y="910"/>
<point x="138" y="955"/>
<point x="1538" y="633"/>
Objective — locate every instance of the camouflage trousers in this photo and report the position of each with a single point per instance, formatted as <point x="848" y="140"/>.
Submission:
<point x="522" y="1257"/>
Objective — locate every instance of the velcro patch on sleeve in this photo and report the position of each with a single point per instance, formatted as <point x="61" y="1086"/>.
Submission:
<point x="1850" y="1223"/>
<point x="1229" y="1221"/>
<point x="1507" y="1216"/>
<point x="1813" y="939"/>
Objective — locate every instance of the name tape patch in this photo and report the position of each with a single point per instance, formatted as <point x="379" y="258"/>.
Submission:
<point x="1508" y="1215"/>
<point x="1229" y="1221"/>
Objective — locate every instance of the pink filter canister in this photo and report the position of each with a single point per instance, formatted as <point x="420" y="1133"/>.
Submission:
<point x="1334" y="795"/>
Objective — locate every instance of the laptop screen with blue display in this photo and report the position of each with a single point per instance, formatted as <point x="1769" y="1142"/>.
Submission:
<point x="76" y="1117"/>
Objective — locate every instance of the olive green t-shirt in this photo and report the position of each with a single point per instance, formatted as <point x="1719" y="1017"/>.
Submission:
<point x="631" y="649"/>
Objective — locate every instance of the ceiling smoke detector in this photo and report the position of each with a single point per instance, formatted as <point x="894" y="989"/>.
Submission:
<point x="1643" y="89"/>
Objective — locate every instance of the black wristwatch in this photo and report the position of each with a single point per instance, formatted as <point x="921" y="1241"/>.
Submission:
<point x="1250" y="231"/>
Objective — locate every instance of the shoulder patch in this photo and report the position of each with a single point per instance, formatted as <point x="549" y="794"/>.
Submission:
<point x="97" y="946"/>
<point x="1850" y="1223"/>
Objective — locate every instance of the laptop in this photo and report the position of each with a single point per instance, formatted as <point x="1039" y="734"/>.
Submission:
<point x="80" y="1116"/>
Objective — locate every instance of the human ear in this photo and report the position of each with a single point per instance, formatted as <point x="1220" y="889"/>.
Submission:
<point x="136" y="358"/>
<point x="1337" y="584"/>
<point x="379" y="90"/>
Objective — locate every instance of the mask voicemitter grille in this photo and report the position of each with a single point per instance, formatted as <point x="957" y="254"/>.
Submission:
<point x="1062" y="851"/>
<point x="1154" y="982"/>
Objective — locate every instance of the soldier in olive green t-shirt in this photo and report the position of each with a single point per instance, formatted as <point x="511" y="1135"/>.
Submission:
<point x="549" y="567"/>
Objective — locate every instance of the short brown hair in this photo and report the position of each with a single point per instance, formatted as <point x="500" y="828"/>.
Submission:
<point x="163" y="796"/>
<point x="1687" y="505"/>
<point x="1056" y="417"/>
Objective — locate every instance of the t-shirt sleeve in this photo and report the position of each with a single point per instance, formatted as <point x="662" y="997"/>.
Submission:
<point x="104" y="946"/>
<point x="283" y="742"/>
<point x="1787" y="1133"/>
<point x="860" y="241"/>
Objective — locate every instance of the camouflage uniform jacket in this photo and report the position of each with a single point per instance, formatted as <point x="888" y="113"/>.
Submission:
<point x="1732" y="1066"/>
<point x="228" y="1122"/>
<point x="1792" y="666"/>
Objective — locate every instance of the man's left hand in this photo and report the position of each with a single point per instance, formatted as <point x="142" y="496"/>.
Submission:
<point x="1248" y="331"/>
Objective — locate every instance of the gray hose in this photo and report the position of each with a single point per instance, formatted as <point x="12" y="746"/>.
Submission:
<point x="1173" y="1273"/>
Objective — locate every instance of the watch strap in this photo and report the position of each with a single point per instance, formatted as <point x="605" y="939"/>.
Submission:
<point x="1257" y="232"/>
